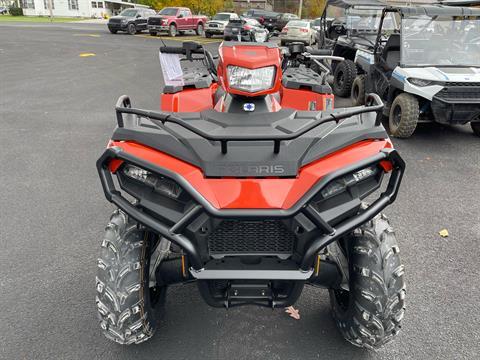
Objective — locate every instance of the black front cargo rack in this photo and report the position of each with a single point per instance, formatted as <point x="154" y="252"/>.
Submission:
<point x="123" y="106"/>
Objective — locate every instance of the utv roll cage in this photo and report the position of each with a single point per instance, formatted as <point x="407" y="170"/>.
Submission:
<point x="395" y="40"/>
<point x="304" y="206"/>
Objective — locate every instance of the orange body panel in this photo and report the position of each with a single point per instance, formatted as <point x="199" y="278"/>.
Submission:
<point x="256" y="193"/>
<point x="251" y="57"/>
<point x="300" y="99"/>
<point x="189" y="100"/>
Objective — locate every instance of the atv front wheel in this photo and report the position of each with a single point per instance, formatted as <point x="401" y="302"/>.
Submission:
<point x="475" y="127"/>
<point x="403" y="117"/>
<point x="124" y="300"/>
<point x="345" y="73"/>
<point x="358" y="90"/>
<point x="370" y="313"/>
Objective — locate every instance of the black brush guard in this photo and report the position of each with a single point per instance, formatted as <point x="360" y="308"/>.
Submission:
<point x="174" y="233"/>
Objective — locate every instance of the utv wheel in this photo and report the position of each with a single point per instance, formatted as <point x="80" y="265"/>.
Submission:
<point x="403" y="116"/>
<point x="113" y="31"/>
<point x="476" y="128"/>
<point x="124" y="300"/>
<point x="199" y="30"/>
<point x="172" y="30"/>
<point x="358" y="91"/>
<point x="345" y="73"/>
<point x="208" y="35"/>
<point x="369" y="315"/>
<point x="153" y="33"/>
<point x="131" y="29"/>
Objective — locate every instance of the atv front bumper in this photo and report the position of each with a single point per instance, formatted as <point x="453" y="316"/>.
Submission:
<point x="456" y="104"/>
<point x="186" y="231"/>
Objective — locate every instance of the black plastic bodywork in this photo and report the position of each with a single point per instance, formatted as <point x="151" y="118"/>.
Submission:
<point x="457" y="103"/>
<point x="251" y="141"/>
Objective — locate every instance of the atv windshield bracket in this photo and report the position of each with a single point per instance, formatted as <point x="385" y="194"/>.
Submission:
<point x="123" y="106"/>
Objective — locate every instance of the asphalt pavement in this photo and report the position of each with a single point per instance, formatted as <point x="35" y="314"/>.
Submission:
<point x="56" y="115"/>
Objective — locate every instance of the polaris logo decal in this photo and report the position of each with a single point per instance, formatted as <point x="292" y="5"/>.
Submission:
<point x="251" y="170"/>
<point x="249" y="107"/>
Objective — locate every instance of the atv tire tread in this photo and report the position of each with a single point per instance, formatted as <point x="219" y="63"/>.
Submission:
<point x="358" y="90"/>
<point x="376" y="306"/>
<point x="349" y="70"/>
<point x="409" y="116"/>
<point x="123" y="308"/>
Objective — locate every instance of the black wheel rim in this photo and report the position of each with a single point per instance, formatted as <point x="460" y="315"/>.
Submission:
<point x="342" y="298"/>
<point x="397" y="116"/>
<point x="341" y="78"/>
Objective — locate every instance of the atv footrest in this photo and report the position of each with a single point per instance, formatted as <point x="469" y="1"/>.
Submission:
<point x="251" y="268"/>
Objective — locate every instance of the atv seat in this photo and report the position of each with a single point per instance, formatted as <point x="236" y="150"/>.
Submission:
<point x="391" y="53"/>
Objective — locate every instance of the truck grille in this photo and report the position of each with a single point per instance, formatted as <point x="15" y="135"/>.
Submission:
<point x="251" y="237"/>
<point x="154" y="21"/>
<point x="115" y="21"/>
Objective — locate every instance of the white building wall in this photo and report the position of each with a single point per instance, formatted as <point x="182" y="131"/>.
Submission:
<point x="61" y="9"/>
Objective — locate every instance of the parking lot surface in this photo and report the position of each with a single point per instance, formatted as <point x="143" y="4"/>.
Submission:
<point x="56" y="115"/>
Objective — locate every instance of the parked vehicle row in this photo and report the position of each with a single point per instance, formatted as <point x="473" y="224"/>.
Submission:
<point x="423" y="61"/>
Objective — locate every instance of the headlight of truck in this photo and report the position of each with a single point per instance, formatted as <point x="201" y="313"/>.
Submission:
<point x="251" y="80"/>
<point x="124" y="21"/>
<point x="159" y="183"/>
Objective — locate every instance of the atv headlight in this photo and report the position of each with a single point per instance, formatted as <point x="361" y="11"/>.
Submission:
<point x="251" y="80"/>
<point x="160" y="184"/>
<point x="338" y="186"/>
<point x="421" y="82"/>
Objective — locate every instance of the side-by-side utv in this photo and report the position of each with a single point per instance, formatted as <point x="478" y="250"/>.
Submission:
<point x="249" y="183"/>
<point x="429" y="71"/>
<point x="359" y="32"/>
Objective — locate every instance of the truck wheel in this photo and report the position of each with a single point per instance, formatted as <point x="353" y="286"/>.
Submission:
<point x="208" y="35"/>
<point x="370" y="313"/>
<point x="358" y="91"/>
<point x="124" y="300"/>
<point x="153" y="33"/>
<point x="172" y="30"/>
<point x="113" y="31"/>
<point x="403" y="116"/>
<point x="475" y="127"/>
<point x="345" y="73"/>
<point x="199" y="30"/>
<point x="131" y="29"/>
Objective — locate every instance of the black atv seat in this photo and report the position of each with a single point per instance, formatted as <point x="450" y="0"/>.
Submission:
<point x="391" y="52"/>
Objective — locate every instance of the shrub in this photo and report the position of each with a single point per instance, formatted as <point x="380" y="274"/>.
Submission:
<point x="15" y="11"/>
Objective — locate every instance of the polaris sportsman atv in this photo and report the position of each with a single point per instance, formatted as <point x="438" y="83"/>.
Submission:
<point x="249" y="183"/>
<point x="430" y="71"/>
<point x="362" y="19"/>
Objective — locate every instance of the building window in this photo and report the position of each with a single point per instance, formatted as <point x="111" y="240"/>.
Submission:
<point x="28" y="4"/>
<point x="45" y="4"/>
<point x="73" y="4"/>
<point x="100" y="4"/>
<point x="94" y="4"/>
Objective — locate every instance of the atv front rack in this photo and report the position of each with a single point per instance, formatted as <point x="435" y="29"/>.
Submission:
<point x="175" y="232"/>
<point x="124" y="106"/>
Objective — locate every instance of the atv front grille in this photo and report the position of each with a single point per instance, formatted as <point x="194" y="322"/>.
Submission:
<point x="251" y="237"/>
<point x="459" y="92"/>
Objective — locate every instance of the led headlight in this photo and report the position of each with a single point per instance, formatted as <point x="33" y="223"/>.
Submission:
<point x="338" y="186"/>
<point x="250" y="80"/>
<point x="421" y="82"/>
<point x="160" y="184"/>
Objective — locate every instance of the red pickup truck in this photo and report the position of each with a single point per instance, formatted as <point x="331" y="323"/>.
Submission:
<point x="175" y="20"/>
